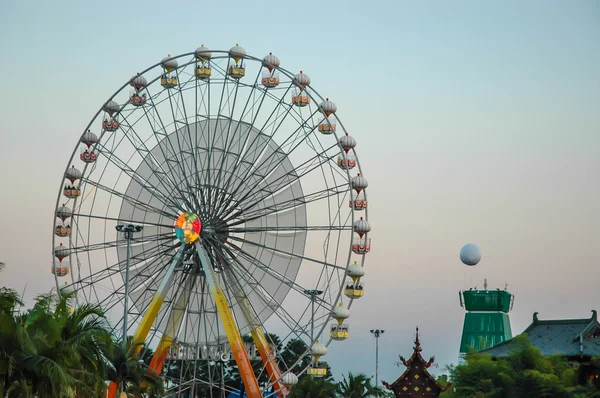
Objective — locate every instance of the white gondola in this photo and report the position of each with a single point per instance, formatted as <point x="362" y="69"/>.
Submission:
<point x="347" y="162"/>
<point x="71" y="191"/>
<point x="169" y="64"/>
<point x="339" y="332"/>
<point x="358" y="201"/>
<point x="72" y="174"/>
<point x="62" y="230"/>
<point x="111" y="107"/>
<point x="63" y="212"/>
<point x="88" y="156"/>
<point x="289" y="379"/>
<point x="300" y="98"/>
<point x="137" y="99"/>
<point x="203" y="54"/>
<point x="236" y="71"/>
<point x="169" y="82"/>
<point x="347" y="143"/>
<point x="328" y="125"/>
<point x="317" y="351"/>
<point x="203" y="72"/>
<point x="270" y="79"/>
<point x="301" y="80"/>
<point x="270" y="62"/>
<point x="88" y="138"/>
<point x="110" y="124"/>
<point x="138" y="82"/>
<point x="59" y="267"/>
<point x="359" y="183"/>
<point x="361" y="245"/>
<point x="361" y="227"/>
<point x="327" y="107"/>
<point x="354" y="290"/>
<point x="61" y="252"/>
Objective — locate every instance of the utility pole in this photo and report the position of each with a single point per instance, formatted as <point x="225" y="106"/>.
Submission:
<point x="313" y="295"/>
<point x="377" y="333"/>
<point x="128" y="231"/>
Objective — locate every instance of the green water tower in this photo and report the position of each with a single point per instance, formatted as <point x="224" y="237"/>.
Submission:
<point x="486" y="321"/>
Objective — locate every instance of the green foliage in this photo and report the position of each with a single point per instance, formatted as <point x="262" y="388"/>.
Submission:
<point x="313" y="387"/>
<point x="524" y="373"/>
<point x="54" y="350"/>
<point x="357" y="386"/>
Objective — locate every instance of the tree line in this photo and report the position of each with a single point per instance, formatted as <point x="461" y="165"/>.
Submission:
<point x="524" y="373"/>
<point x="55" y="350"/>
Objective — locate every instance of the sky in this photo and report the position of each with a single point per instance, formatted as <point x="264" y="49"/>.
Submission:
<point x="477" y="122"/>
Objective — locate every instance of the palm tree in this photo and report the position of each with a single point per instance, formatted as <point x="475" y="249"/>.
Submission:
<point x="51" y="350"/>
<point x="357" y="386"/>
<point x="127" y="368"/>
<point x="313" y="387"/>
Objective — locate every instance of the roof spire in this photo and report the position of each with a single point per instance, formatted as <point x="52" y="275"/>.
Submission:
<point x="417" y="342"/>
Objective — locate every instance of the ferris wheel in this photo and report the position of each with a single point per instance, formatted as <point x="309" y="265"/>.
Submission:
<point x="216" y="200"/>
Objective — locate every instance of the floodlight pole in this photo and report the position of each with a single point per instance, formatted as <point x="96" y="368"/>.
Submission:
<point x="128" y="231"/>
<point x="377" y="333"/>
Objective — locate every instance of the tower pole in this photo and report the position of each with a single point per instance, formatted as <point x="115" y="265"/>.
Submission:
<point x="128" y="231"/>
<point x="377" y="333"/>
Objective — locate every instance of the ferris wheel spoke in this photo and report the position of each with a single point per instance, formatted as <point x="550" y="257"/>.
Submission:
<point x="243" y="273"/>
<point x="290" y="228"/>
<point x="138" y="222"/>
<point x="282" y="183"/>
<point x="256" y="213"/>
<point x="248" y="109"/>
<point x="270" y="161"/>
<point x="192" y="171"/>
<point x="172" y="159"/>
<point x="145" y="184"/>
<point x="136" y="203"/>
<point x="146" y="154"/>
<point x="119" y="243"/>
<point x="114" y="269"/>
<point x="226" y="144"/>
<point x="272" y="166"/>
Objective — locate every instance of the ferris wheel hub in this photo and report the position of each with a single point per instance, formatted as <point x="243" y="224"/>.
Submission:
<point x="188" y="227"/>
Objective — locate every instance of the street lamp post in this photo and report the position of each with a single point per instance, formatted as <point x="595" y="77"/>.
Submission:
<point x="128" y="231"/>
<point x="377" y="333"/>
<point x="313" y="295"/>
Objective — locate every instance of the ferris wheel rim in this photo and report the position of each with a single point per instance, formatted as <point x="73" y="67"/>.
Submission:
<point x="312" y="93"/>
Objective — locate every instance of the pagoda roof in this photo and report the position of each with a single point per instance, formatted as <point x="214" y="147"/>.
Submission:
<point x="560" y="337"/>
<point x="415" y="361"/>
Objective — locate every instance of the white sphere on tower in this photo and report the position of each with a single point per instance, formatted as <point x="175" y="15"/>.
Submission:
<point x="470" y="254"/>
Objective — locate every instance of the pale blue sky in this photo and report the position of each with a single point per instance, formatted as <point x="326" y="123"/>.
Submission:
<point x="476" y="122"/>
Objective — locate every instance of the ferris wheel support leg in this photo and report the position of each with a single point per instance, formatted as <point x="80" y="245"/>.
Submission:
<point x="233" y="334"/>
<point x="159" y="297"/>
<point x="173" y="324"/>
<point x="264" y="349"/>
